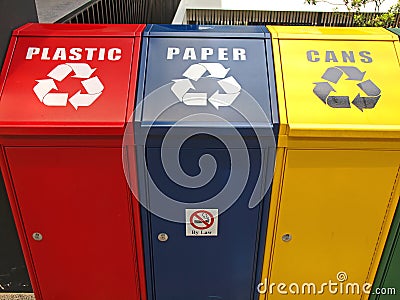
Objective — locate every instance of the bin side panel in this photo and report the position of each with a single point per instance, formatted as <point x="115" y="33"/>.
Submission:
<point x="18" y="223"/>
<point x="334" y="203"/>
<point x="78" y="200"/>
<point x="393" y="273"/>
<point x="388" y="276"/>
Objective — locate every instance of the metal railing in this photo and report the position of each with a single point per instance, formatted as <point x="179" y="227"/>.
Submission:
<point x="123" y="12"/>
<point x="252" y="17"/>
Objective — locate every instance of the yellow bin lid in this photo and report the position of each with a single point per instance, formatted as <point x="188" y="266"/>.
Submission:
<point x="337" y="82"/>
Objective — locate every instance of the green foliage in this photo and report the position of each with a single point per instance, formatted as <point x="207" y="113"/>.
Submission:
<point x="382" y="20"/>
<point x="351" y="5"/>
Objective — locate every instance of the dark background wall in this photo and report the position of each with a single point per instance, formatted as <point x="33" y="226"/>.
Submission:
<point x="14" y="13"/>
<point x="13" y="274"/>
<point x="124" y="11"/>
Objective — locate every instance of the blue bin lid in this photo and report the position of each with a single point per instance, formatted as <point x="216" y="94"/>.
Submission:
<point x="209" y="31"/>
<point x="194" y="76"/>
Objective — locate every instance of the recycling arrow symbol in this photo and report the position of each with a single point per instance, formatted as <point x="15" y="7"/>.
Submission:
<point x="333" y="74"/>
<point x="92" y="86"/>
<point x="229" y="85"/>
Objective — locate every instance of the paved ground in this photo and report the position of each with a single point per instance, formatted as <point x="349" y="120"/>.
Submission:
<point x="50" y="11"/>
<point x="17" y="297"/>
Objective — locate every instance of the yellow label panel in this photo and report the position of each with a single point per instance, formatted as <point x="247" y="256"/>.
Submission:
<point x="333" y="208"/>
<point x="336" y="86"/>
<point x="332" y="33"/>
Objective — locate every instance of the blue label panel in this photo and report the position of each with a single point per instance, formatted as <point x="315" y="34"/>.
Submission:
<point x="206" y="76"/>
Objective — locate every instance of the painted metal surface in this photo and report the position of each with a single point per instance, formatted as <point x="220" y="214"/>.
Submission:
<point x="395" y="30"/>
<point x="198" y="260"/>
<point x="349" y="85"/>
<point x="13" y="273"/>
<point x="387" y="281"/>
<point x="84" y="217"/>
<point x="63" y="114"/>
<point x="337" y="171"/>
<point x="77" y="74"/>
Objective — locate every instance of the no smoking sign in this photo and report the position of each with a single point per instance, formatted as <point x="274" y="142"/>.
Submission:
<point x="201" y="222"/>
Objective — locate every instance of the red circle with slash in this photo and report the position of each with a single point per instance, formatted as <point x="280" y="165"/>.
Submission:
<point x="202" y="222"/>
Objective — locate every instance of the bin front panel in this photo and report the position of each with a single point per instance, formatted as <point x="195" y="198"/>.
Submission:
<point x="84" y="217"/>
<point x="194" y="85"/>
<point x="201" y="267"/>
<point x="339" y="85"/>
<point x="334" y="205"/>
<point x="388" y="276"/>
<point x="74" y="80"/>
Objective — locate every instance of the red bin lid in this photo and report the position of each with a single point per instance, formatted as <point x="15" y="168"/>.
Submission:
<point x="63" y="78"/>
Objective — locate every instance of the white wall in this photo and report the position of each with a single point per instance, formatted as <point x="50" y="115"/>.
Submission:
<point x="294" y="5"/>
<point x="283" y="5"/>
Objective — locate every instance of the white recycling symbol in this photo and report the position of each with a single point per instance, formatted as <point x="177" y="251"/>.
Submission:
<point x="229" y="85"/>
<point x="92" y="86"/>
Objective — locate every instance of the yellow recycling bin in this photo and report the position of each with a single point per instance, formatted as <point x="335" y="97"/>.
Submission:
<point x="336" y="184"/>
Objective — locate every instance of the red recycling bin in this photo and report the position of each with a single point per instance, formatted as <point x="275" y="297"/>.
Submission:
<point x="66" y="92"/>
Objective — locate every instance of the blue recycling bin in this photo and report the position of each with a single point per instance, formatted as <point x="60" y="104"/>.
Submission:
<point x="205" y="126"/>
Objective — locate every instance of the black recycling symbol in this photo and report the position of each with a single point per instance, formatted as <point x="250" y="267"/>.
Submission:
<point x="333" y="75"/>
